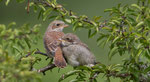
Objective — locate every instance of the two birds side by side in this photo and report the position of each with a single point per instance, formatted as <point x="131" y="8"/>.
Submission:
<point x="66" y="48"/>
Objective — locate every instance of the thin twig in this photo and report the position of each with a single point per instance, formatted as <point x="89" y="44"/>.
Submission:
<point x="49" y="67"/>
<point x="37" y="52"/>
<point x="94" y="76"/>
<point x="28" y="6"/>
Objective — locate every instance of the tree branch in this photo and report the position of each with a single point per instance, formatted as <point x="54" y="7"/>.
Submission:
<point x="61" y="8"/>
<point x="49" y="67"/>
<point x="38" y="52"/>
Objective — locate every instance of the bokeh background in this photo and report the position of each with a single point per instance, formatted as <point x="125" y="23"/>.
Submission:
<point x="17" y="13"/>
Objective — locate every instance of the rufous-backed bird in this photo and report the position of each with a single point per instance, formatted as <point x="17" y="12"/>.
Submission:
<point x="51" y="37"/>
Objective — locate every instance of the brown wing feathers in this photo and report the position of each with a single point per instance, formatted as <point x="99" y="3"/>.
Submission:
<point x="59" y="59"/>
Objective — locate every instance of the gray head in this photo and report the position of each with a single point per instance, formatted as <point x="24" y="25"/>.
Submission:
<point x="69" y="39"/>
<point x="57" y="25"/>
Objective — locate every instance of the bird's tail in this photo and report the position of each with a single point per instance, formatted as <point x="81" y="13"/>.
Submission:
<point x="59" y="60"/>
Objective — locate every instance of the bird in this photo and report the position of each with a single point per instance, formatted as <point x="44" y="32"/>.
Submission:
<point x="76" y="52"/>
<point x="53" y="33"/>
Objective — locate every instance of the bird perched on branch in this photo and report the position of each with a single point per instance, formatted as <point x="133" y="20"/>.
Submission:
<point x="76" y="52"/>
<point x="51" y="37"/>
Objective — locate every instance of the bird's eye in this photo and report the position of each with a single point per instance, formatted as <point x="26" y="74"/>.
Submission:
<point x="68" y="39"/>
<point x="57" y="24"/>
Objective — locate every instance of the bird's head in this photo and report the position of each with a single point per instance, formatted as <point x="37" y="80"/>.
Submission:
<point x="57" y="25"/>
<point x="69" y="39"/>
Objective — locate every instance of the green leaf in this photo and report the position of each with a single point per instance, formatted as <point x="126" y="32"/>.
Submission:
<point x="69" y="74"/>
<point x="20" y="1"/>
<point x="1" y="0"/>
<point x="84" y="68"/>
<point x="108" y="10"/>
<point x="68" y="21"/>
<point x="51" y="17"/>
<point x="6" y="3"/>
<point x="90" y="34"/>
<point x="97" y="18"/>
<point x="136" y="6"/>
<point x="27" y="40"/>
<point x="138" y="55"/>
<point x="35" y="8"/>
<point x="46" y="13"/>
<point x="101" y="37"/>
<point x="40" y="13"/>
<point x="138" y="18"/>
<point x="148" y="22"/>
<point x="147" y="55"/>
<point x="116" y="38"/>
<point x="147" y="69"/>
<point x="112" y="52"/>
<point x="139" y="24"/>
<point x="11" y="24"/>
<point x="42" y="7"/>
<point x="16" y="48"/>
<point x="107" y="40"/>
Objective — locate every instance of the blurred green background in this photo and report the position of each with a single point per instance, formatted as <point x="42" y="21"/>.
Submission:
<point x="16" y="12"/>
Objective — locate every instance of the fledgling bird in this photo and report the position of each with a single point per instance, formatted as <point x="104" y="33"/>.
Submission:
<point x="76" y="52"/>
<point x="51" y="37"/>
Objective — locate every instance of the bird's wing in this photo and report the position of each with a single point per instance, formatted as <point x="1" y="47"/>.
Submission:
<point x="52" y="45"/>
<point x="84" y="45"/>
<point x="59" y="59"/>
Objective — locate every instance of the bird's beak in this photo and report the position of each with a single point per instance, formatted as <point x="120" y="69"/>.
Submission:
<point x="66" y="25"/>
<point x="61" y="40"/>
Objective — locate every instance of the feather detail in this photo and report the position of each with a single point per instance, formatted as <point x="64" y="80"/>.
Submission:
<point x="59" y="60"/>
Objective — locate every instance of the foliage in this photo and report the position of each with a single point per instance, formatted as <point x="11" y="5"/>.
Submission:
<point x="17" y="67"/>
<point x="126" y="32"/>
